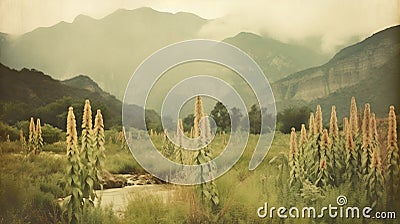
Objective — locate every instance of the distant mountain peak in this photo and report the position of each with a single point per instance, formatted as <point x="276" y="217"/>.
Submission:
<point x="82" y="17"/>
<point x="122" y="11"/>
<point x="248" y="34"/>
<point x="84" y="82"/>
<point x="190" y="14"/>
<point x="81" y="77"/>
<point x="143" y="9"/>
<point x="369" y="41"/>
<point x="148" y="11"/>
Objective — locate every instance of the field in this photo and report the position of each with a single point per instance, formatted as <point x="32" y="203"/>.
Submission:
<point x="314" y="175"/>
<point x="31" y="185"/>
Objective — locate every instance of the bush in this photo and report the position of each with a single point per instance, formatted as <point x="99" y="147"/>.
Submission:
<point x="293" y="117"/>
<point x="6" y="130"/>
<point x="98" y="215"/>
<point x="10" y="147"/>
<point x="24" y="203"/>
<point x="57" y="147"/>
<point x="52" y="134"/>
<point x="121" y="162"/>
<point x="51" y="188"/>
<point x="152" y="209"/>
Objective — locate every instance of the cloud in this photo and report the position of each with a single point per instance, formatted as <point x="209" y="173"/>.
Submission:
<point x="334" y="22"/>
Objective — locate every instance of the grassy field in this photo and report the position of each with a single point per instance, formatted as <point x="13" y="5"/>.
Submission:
<point x="31" y="184"/>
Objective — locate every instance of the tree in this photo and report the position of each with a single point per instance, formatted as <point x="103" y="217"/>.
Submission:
<point x="13" y="112"/>
<point x="153" y="121"/>
<point x="236" y="117"/>
<point x="221" y="117"/>
<point x="52" y="134"/>
<point x="6" y="130"/>
<point x="255" y="119"/>
<point x="55" y="112"/>
<point x="293" y="117"/>
<point x="188" y="122"/>
<point x="267" y="120"/>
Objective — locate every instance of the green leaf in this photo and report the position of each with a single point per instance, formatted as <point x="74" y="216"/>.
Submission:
<point x="207" y="194"/>
<point x="215" y="200"/>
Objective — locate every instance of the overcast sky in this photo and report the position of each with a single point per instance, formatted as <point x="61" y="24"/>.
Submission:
<point x="332" y="21"/>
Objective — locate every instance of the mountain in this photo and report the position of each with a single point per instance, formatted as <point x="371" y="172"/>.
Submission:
<point x="276" y="59"/>
<point x="27" y="93"/>
<point x="111" y="48"/>
<point x="85" y="82"/>
<point x="368" y="70"/>
<point x="380" y="91"/>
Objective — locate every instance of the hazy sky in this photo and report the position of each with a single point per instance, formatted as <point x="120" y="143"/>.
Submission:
<point x="333" y="22"/>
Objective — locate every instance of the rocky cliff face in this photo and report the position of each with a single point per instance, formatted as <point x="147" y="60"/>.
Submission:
<point x="349" y="67"/>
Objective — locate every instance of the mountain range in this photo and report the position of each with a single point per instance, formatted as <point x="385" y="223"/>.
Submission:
<point x="108" y="50"/>
<point x="111" y="48"/>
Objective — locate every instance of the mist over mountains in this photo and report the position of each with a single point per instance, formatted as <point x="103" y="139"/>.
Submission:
<point x="109" y="50"/>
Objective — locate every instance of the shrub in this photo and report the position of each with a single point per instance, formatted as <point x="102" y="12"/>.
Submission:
<point x="57" y="147"/>
<point x="52" y="134"/>
<point x="6" y="130"/>
<point x="152" y="209"/>
<point x="99" y="215"/>
<point x="292" y="117"/>
<point x="10" y="147"/>
<point x="26" y="203"/>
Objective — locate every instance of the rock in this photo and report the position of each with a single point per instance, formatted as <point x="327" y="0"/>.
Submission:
<point x="130" y="182"/>
<point x="121" y="180"/>
<point x="139" y="182"/>
<point x="111" y="181"/>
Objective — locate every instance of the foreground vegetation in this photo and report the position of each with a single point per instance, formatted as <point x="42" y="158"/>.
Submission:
<point x="32" y="185"/>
